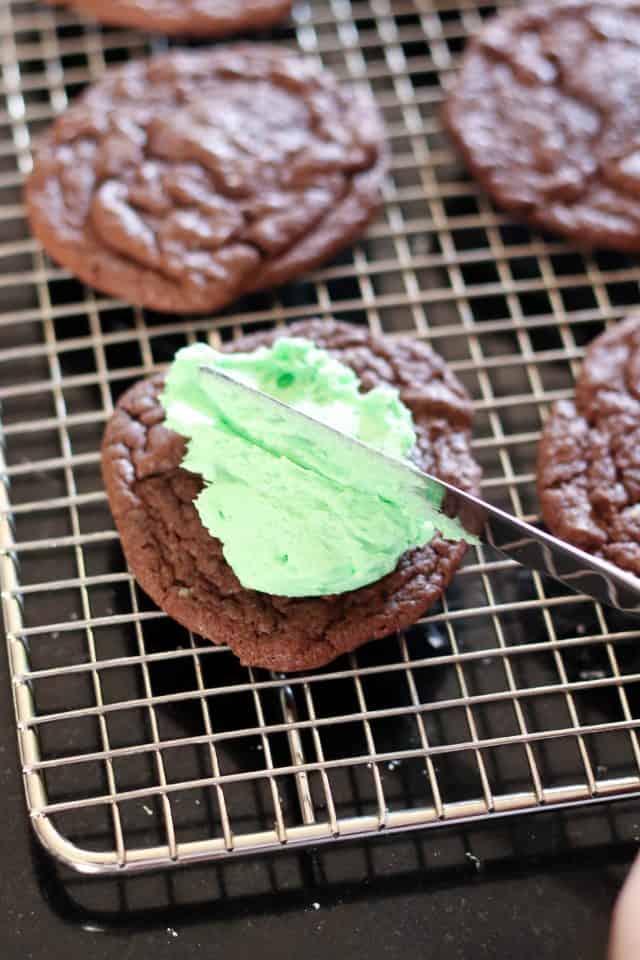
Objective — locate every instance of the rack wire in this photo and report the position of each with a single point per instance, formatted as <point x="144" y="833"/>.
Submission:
<point x="142" y="745"/>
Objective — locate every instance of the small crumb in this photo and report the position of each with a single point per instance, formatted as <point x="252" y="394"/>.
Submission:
<point x="172" y="932"/>
<point x="147" y="810"/>
<point x="197" y="802"/>
<point x="315" y="905"/>
<point x="259" y="746"/>
<point x="435" y="637"/>
<point x="581" y="629"/>
<point x="184" y="592"/>
<point x="73" y="615"/>
<point x="55" y="635"/>
<point x="592" y="674"/>
<point x="393" y="764"/>
<point x="474" y="860"/>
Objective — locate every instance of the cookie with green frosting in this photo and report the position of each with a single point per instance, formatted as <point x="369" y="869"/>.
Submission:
<point x="245" y="537"/>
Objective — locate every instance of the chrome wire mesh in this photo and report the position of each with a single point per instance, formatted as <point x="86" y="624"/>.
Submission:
<point x="142" y="745"/>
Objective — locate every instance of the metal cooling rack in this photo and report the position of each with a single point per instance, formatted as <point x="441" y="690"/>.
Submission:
<point x="142" y="746"/>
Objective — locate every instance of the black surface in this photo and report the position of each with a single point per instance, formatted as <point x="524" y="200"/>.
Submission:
<point x="542" y="887"/>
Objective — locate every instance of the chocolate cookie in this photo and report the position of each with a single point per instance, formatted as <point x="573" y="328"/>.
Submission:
<point x="589" y="457"/>
<point x="546" y="112"/>
<point x="196" y="18"/>
<point x="183" y="181"/>
<point x="182" y="567"/>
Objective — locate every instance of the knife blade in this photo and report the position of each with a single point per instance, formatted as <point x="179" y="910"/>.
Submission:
<point x="462" y="516"/>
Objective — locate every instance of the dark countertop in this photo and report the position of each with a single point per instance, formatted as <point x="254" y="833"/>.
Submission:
<point x="533" y="887"/>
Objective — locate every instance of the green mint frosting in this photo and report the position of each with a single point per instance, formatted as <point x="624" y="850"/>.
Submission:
<point x="296" y="517"/>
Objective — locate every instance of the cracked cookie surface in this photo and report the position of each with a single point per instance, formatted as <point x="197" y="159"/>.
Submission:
<point x="546" y="112"/>
<point x="196" y="18"/>
<point x="183" y="181"/>
<point x="181" y="566"/>
<point x="589" y="456"/>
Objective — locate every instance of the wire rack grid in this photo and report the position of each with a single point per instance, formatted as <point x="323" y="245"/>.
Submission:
<point x="143" y="746"/>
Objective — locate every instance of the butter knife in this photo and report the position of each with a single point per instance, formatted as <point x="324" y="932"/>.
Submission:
<point x="464" y="517"/>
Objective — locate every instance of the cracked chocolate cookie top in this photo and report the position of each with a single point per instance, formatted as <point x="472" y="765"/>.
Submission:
<point x="199" y="18"/>
<point x="182" y="567"/>
<point x="546" y="111"/>
<point x="183" y="181"/>
<point x="589" y="457"/>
